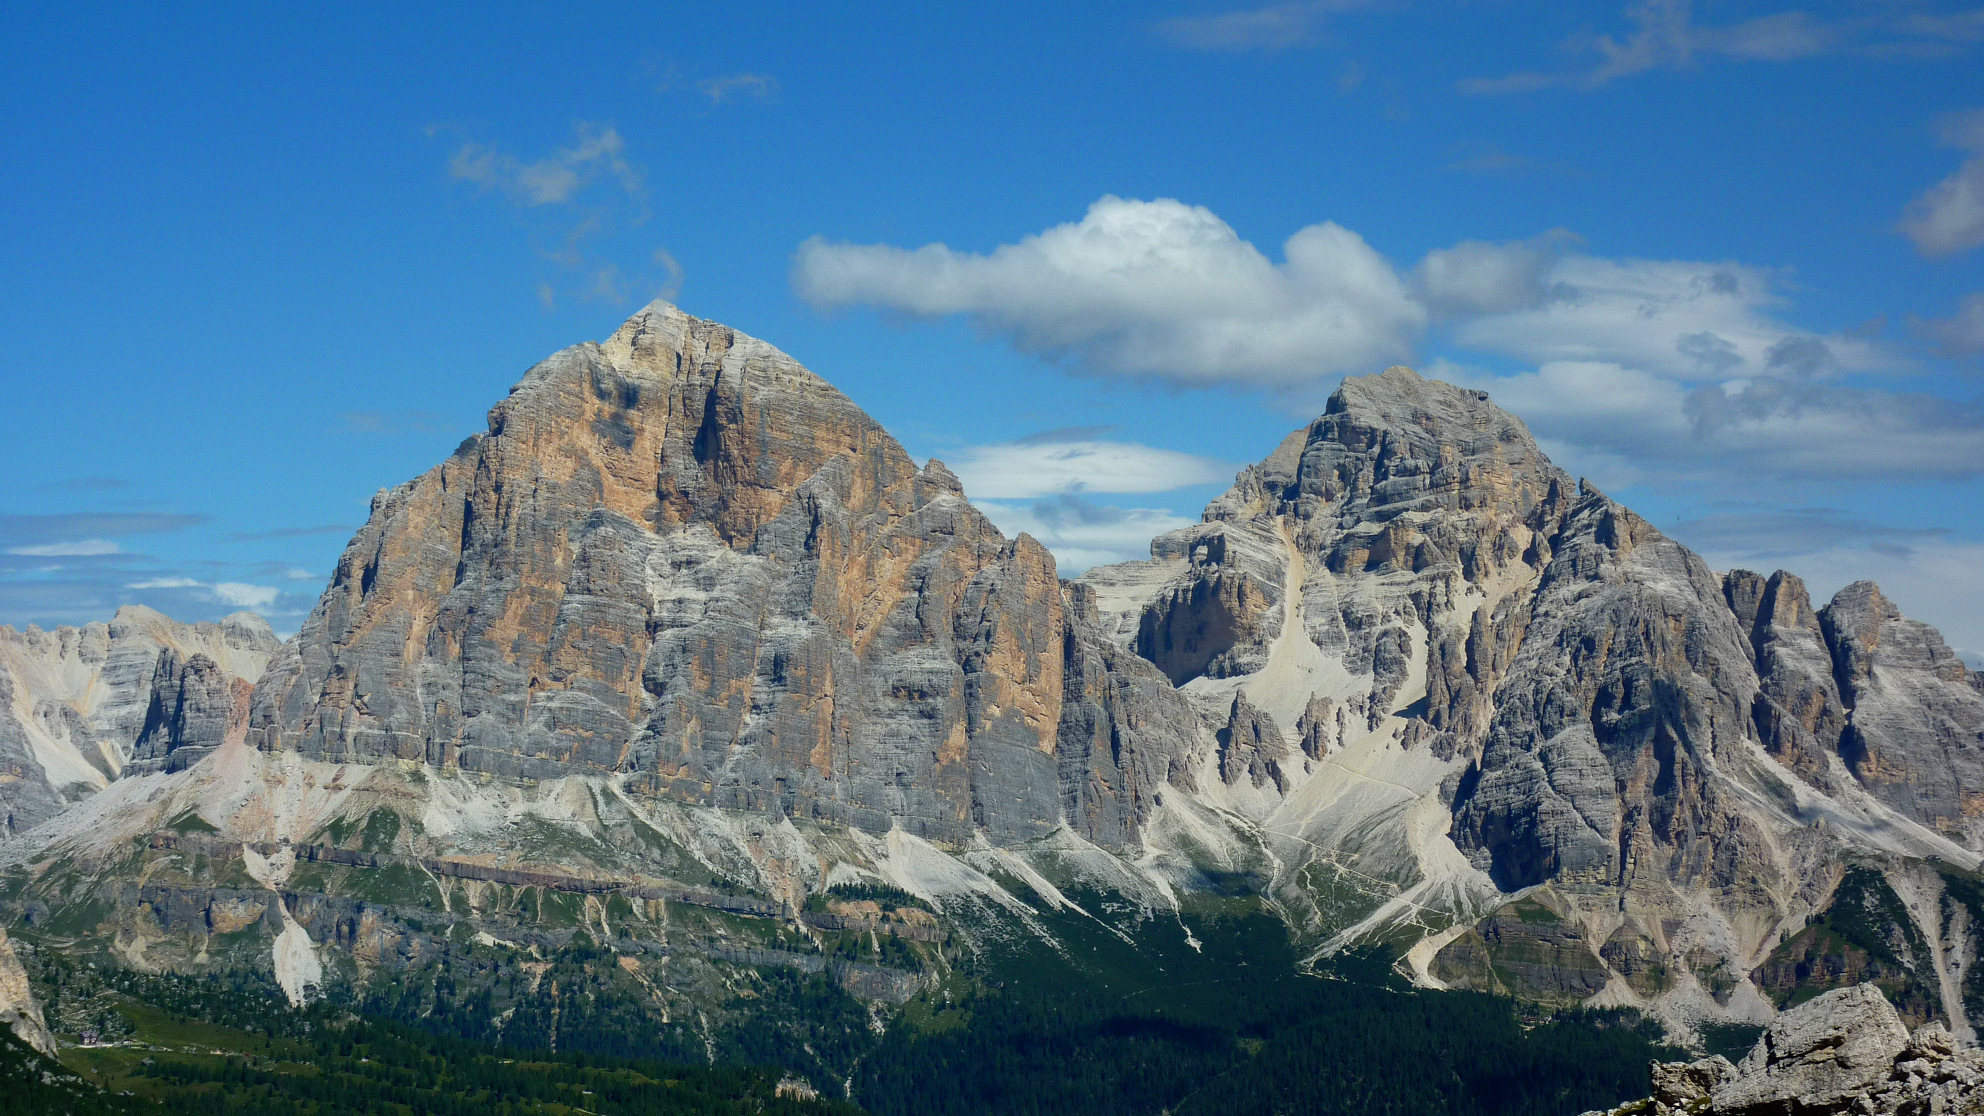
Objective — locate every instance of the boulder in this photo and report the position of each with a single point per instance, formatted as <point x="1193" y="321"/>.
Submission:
<point x="1818" y="1056"/>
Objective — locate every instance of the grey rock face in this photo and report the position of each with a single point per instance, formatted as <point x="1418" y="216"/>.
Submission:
<point x="1125" y="734"/>
<point x="682" y="556"/>
<point x="1818" y="1055"/>
<point x="1251" y="747"/>
<point x="1686" y="1086"/>
<point x="1631" y="678"/>
<point x="1843" y="1052"/>
<point x="1319" y="728"/>
<point x="1798" y="713"/>
<point x="194" y="706"/>
<point x="1597" y="691"/>
<point x="74" y="701"/>
<point x="18" y="1009"/>
<point x="1915" y="736"/>
<point x="1215" y="623"/>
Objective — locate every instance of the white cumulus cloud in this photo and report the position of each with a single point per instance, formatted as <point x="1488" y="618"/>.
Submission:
<point x="1045" y="467"/>
<point x="1949" y="217"/>
<point x="1629" y="370"/>
<point x="1688" y="320"/>
<point x="236" y="593"/>
<point x="1147" y="288"/>
<point x="1477" y="277"/>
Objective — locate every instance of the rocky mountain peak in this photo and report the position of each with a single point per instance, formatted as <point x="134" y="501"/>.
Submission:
<point x="681" y="557"/>
<point x="1396" y="442"/>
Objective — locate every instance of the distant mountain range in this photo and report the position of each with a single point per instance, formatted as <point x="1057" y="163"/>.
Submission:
<point x="685" y="656"/>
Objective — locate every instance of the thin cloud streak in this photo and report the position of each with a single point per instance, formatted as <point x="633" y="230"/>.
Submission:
<point x="1666" y="37"/>
<point x="1270" y="28"/>
<point x="730" y="87"/>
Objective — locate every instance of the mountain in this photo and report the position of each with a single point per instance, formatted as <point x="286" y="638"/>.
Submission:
<point x="685" y="658"/>
<point x="79" y="705"/>
<point x="1482" y="681"/>
<point x="681" y="558"/>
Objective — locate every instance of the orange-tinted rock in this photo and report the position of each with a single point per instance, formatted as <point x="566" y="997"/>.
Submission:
<point x="681" y="556"/>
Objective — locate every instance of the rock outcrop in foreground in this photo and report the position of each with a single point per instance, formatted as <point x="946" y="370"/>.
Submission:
<point x="1843" y="1052"/>
<point x="18" y="1009"/>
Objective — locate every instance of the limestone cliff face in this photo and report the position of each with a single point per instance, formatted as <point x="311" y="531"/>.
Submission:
<point x="196" y="706"/>
<point x="686" y="627"/>
<point x="1533" y="687"/>
<point x="1915" y="729"/>
<point x="681" y="556"/>
<point x="74" y="701"/>
<point x="1631" y="679"/>
<point x="1797" y="710"/>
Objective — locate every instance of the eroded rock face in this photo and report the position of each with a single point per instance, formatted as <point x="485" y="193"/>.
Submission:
<point x="1844" y="1051"/>
<point x="1631" y="680"/>
<point x="1251" y="747"/>
<point x="1915" y="736"/>
<point x="1798" y="713"/>
<point x="74" y="701"/>
<point x="195" y="707"/>
<point x="1819" y="1055"/>
<point x="1594" y="709"/>
<point x="681" y="555"/>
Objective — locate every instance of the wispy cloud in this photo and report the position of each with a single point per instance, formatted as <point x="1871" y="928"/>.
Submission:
<point x="1961" y="334"/>
<point x="1489" y="159"/>
<point x="730" y="87"/>
<point x="1274" y="27"/>
<point x="1769" y="534"/>
<point x="1664" y="35"/>
<point x="81" y="548"/>
<point x="34" y="530"/>
<point x="236" y="593"/>
<point x="389" y="422"/>
<point x="1949" y="217"/>
<point x="557" y="178"/>
<point x="576" y="199"/>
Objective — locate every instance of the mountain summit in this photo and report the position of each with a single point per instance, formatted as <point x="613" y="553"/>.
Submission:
<point x="682" y="559"/>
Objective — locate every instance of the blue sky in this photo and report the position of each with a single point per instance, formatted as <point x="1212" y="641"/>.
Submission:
<point x="1727" y="259"/>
